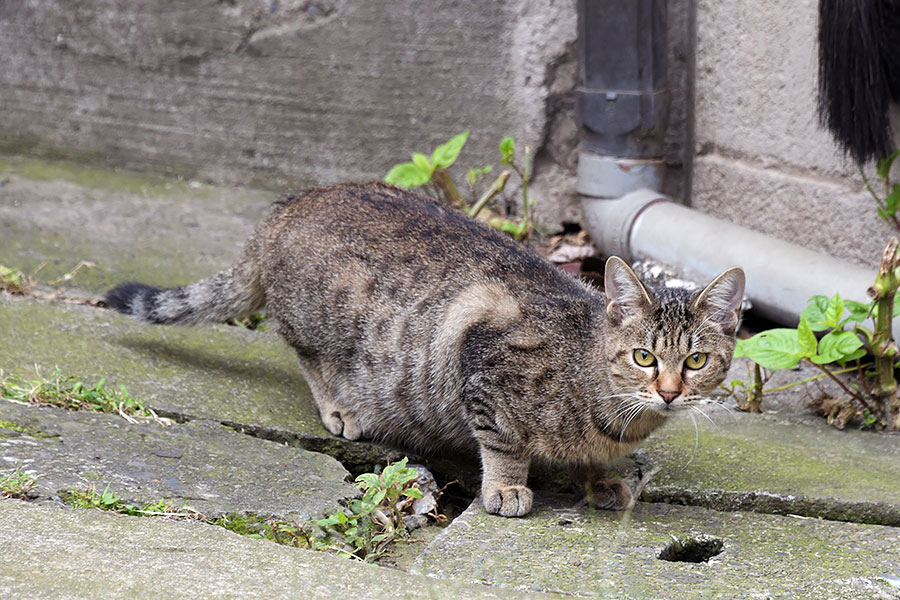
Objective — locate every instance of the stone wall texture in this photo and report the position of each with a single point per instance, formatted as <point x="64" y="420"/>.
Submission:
<point x="292" y="93"/>
<point x="283" y="93"/>
<point x="762" y="160"/>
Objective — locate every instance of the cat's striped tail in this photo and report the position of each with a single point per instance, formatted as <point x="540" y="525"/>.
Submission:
<point x="232" y="293"/>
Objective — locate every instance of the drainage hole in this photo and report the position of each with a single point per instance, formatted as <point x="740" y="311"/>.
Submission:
<point x="696" y="549"/>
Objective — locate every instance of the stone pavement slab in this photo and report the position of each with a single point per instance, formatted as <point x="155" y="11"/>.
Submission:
<point x="214" y="372"/>
<point x="53" y="552"/>
<point x="775" y="464"/>
<point x="160" y="231"/>
<point x="607" y="554"/>
<point x="202" y="464"/>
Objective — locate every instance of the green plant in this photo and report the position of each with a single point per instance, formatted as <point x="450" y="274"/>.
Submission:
<point x="423" y="170"/>
<point x="107" y="500"/>
<point x="71" y="394"/>
<point x="12" y="280"/>
<point x="17" y="484"/>
<point x="371" y="523"/>
<point x="890" y="202"/>
<point x="363" y="530"/>
<point x="255" y="321"/>
<point x="876" y="387"/>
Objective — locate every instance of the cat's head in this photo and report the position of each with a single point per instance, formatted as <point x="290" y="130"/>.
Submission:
<point x="669" y="348"/>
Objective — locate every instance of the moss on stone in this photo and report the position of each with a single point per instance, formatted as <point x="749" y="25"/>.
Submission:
<point x="159" y="230"/>
<point x="751" y="463"/>
<point x="24" y="429"/>
<point x="600" y="553"/>
<point x="217" y="372"/>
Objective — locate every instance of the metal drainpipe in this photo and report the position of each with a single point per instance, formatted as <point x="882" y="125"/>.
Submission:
<point x="620" y="96"/>
<point x="621" y="102"/>
<point x="781" y="277"/>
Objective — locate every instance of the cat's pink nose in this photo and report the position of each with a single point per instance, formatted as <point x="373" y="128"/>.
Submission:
<point x="668" y="396"/>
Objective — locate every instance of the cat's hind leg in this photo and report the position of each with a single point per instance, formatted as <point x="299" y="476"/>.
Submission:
<point x="337" y="418"/>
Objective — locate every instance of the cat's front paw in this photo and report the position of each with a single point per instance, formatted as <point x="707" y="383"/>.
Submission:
<point x="508" y="501"/>
<point x="609" y="494"/>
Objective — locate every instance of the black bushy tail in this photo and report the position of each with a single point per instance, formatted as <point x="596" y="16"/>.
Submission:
<point x="859" y="74"/>
<point x="232" y="293"/>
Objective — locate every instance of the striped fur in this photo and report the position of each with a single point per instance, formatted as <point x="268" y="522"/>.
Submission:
<point x="413" y="323"/>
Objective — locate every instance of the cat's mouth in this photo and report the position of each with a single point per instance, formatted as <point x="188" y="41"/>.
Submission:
<point x="660" y="405"/>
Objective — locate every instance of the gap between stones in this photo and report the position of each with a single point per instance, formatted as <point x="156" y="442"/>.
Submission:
<point x="362" y="457"/>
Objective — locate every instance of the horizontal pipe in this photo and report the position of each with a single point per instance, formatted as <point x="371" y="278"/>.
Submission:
<point x="781" y="277"/>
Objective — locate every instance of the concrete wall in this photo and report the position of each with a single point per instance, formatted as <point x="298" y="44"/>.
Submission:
<point x="761" y="158"/>
<point x="292" y="93"/>
<point x="284" y="93"/>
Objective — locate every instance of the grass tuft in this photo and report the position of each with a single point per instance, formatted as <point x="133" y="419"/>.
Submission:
<point x="71" y="394"/>
<point x="17" y="484"/>
<point x="364" y="530"/>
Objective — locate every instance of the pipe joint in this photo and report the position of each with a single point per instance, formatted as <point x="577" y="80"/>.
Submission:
<point x="611" y="221"/>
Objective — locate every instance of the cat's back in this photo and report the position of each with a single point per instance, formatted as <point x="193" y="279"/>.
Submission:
<point x="393" y="233"/>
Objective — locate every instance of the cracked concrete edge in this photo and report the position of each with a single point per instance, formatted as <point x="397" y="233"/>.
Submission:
<point x="52" y="552"/>
<point x="595" y="553"/>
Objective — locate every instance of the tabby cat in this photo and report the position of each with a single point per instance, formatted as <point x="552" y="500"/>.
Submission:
<point x="416" y="324"/>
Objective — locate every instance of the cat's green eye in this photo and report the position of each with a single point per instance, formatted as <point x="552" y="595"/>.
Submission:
<point x="696" y="360"/>
<point x="643" y="358"/>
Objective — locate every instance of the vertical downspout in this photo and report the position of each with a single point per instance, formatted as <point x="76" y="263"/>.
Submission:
<point x="621" y="100"/>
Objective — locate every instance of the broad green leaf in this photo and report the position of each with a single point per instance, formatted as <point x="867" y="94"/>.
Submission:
<point x="852" y="356"/>
<point x="814" y="313"/>
<point x="445" y="154"/>
<point x="421" y="161"/>
<point x="407" y="175"/>
<point x="807" y="338"/>
<point x="883" y="214"/>
<point x="412" y="492"/>
<point x="859" y="312"/>
<point x="834" y="312"/>
<point x="837" y="345"/>
<point x="370" y="479"/>
<point x="773" y="349"/>
<point x="379" y="496"/>
<point x="507" y="149"/>
<point x="883" y="167"/>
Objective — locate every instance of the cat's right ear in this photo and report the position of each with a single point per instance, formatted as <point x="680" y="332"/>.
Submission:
<point x="626" y="296"/>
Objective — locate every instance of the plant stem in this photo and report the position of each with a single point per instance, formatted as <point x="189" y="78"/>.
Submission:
<point x="881" y="203"/>
<point x="788" y="386"/>
<point x="492" y="191"/>
<point x="448" y="189"/>
<point x="883" y="346"/>
<point x="849" y="392"/>
<point x="754" y="397"/>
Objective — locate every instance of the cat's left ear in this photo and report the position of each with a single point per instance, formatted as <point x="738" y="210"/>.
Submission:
<point x="626" y="296"/>
<point x="722" y="298"/>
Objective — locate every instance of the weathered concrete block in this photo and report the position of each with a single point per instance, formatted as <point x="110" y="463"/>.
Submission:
<point x="606" y="554"/>
<point x="279" y="93"/>
<point x="56" y="553"/>
<point x="200" y="464"/>
<point x="763" y="159"/>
